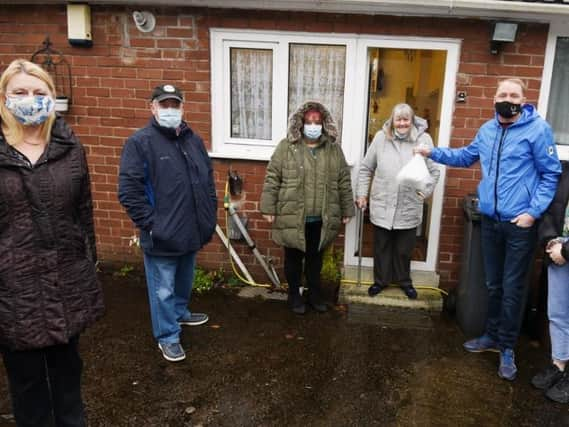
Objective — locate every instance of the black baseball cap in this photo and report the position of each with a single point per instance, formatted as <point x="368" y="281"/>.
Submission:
<point x="167" y="91"/>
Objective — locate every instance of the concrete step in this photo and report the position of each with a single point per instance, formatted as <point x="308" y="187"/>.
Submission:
<point x="428" y="299"/>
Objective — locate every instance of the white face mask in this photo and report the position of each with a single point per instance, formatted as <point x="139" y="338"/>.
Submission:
<point x="169" y="117"/>
<point x="312" y="131"/>
<point x="30" y="110"/>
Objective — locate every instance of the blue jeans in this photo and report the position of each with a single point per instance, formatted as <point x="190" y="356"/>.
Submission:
<point x="558" y="310"/>
<point x="507" y="252"/>
<point x="169" y="281"/>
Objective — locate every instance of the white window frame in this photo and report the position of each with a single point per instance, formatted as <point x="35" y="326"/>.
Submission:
<point x="556" y="29"/>
<point x="222" y="40"/>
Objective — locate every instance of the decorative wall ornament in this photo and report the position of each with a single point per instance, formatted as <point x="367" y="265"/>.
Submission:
<point x="53" y="61"/>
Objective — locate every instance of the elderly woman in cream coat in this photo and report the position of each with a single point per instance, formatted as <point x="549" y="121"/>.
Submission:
<point x="396" y="210"/>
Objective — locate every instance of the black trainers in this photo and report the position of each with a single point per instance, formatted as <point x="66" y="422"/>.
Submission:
<point x="375" y="289"/>
<point x="320" y="307"/>
<point x="410" y="291"/>
<point x="559" y="392"/>
<point x="299" y="308"/>
<point x="547" y="378"/>
<point x="297" y="304"/>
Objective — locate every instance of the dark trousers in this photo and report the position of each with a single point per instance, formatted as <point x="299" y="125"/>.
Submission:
<point x="45" y="385"/>
<point x="312" y="264"/>
<point x="507" y="252"/>
<point x="392" y="250"/>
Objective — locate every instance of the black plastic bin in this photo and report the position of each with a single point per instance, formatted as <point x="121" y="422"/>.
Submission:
<point x="471" y="295"/>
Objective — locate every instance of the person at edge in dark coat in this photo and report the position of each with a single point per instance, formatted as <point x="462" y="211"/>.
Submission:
<point x="520" y="170"/>
<point x="49" y="291"/>
<point x="553" y="234"/>
<point x="307" y="196"/>
<point x="166" y="186"/>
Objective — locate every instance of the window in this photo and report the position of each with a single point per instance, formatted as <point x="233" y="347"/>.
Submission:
<point x="260" y="78"/>
<point x="558" y="105"/>
<point x="251" y="93"/>
<point x="317" y="72"/>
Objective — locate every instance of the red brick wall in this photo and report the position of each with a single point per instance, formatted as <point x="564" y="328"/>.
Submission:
<point x="113" y="79"/>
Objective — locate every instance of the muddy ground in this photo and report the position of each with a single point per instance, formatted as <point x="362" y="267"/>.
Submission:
<point x="257" y="364"/>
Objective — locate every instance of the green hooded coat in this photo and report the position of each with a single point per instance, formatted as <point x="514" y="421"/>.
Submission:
<point x="287" y="190"/>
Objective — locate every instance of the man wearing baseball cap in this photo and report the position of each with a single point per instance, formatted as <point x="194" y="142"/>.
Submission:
<point x="166" y="186"/>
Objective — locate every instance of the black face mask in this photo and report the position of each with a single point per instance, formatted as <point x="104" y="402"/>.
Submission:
<point x="506" y="109"/>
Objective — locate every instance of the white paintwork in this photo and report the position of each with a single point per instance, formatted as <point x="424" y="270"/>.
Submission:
<point x="537" y="12"/>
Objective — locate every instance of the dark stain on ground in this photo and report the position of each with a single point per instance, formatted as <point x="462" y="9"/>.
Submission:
<point x="257" y="364"/>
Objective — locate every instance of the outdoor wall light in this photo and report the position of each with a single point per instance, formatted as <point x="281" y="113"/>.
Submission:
<point x="502" y="32"/>
<point x="144" y="21"/>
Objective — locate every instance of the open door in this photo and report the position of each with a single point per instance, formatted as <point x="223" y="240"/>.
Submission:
<point x="421" y="74"/>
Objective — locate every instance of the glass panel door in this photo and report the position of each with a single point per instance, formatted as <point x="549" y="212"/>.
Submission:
<point x="415" y="77"/>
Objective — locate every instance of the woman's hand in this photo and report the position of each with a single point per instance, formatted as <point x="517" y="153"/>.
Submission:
<point x="361" y="202"/>
<point x="269" y="218"/>
<point x="423" y="150"/>
<point x="346" y="219"/>
<point x="554" y="252"/>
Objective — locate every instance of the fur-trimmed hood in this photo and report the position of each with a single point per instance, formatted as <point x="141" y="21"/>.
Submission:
<point x="296" y="122"/>
<point x="419" y="127"/>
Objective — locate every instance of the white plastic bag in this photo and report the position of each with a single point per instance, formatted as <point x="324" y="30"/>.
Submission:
<point x="415" y="174"/>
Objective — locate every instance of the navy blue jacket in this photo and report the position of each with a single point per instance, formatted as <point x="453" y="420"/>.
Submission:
<point x="166" y="186"/>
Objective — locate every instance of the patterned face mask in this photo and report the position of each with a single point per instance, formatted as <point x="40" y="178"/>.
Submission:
<point x="30" y="110"/>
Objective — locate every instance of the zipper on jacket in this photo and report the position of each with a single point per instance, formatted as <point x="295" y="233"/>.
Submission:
<point x="502" y="137"/>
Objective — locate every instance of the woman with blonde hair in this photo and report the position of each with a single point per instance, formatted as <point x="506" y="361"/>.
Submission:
<point x="49" y="291"/>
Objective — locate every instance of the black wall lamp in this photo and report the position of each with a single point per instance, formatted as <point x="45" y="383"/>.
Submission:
<point x="502" y="32"/>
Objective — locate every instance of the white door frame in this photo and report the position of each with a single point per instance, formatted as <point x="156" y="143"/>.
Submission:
<point x="557" y="29"/>
<point x="358" y="116"/>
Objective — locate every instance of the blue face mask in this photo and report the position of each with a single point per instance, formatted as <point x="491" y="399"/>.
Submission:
<point x="169" y="117"/>
<point x="312" y="131"/>
<point x="30" y="110"/>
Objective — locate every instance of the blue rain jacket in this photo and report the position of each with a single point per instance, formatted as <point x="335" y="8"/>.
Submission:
<point x="519" y="164"/>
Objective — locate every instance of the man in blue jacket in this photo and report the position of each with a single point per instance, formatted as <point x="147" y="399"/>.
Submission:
<point x="520" y="170"/>
<point x="167" y="188"/>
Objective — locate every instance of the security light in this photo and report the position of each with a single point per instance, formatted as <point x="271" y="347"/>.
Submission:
<point x="502" y="32"/>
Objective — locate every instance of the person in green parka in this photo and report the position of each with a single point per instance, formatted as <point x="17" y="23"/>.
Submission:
<point x="307" y="196"/>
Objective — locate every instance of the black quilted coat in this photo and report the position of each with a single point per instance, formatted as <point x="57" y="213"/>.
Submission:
<point x="551" y="225"/>
<point x="48" y="286"/>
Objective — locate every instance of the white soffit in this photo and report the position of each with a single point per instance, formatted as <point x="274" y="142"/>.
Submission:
<point x="544" y="10"/>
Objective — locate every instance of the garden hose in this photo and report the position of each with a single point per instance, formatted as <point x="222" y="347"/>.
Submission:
<point x="237" y="274"/>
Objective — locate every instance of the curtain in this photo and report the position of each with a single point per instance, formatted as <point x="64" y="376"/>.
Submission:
<point x="251" y="93"/>
<point x="317" y="72"/>
<point x="558" y="108"/>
